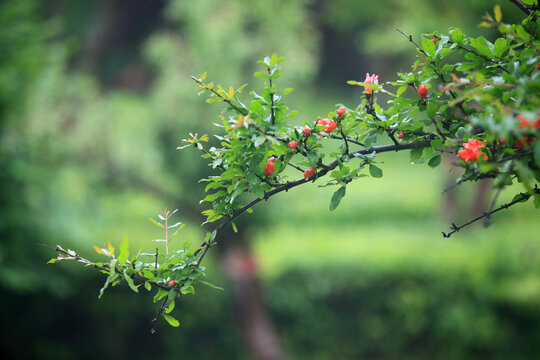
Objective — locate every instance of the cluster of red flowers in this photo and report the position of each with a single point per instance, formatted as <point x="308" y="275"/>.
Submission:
<point x="328" y="124"/>
<point x="471" y="150"/>
<point x="524" y="123"/>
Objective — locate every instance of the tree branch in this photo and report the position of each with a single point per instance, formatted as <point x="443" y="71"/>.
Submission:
<point x="455" y="228"/>
<point x="291" y="184"/>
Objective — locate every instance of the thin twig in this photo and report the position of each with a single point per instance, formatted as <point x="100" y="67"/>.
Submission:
<point x="455" y="228"/>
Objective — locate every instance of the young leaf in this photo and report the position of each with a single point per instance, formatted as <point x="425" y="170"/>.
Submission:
<point x="336" y="198"/>
<point x="129" y="280"/>
<point x="434" y="161"/>
<point x="172" y="321"/>
<point x="210" y="285"/>
<point x="124" y="251"/>
<point x="375" y="171"/>
<point x="170" y="307"/>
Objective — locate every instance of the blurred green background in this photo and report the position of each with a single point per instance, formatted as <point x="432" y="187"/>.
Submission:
<point x="96" y="95"/>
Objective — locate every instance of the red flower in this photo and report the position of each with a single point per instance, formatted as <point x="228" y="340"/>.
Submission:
<point x="371" y="80"/>
<point x="306" y="130"/>
<point x="328" y="124"/>
<point x="471" y="150"/>
<point x="309" y="172"/>
<point x="527" y="140"/>
<point x="538" y="66"/>
<point x="524" y="123"/>
<point x="293" y="144"/>
<point x="269" y="167"/>
<point x="434" y="41"/>
<point x="401" y="135"/>
<point x="341" y="111"/>
<point x="423" y="91"/>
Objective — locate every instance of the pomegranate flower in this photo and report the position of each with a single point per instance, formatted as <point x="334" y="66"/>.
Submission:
<point x="471" y="150"/>
<point x="328" y="124"/>
<point x="371" y="80"/>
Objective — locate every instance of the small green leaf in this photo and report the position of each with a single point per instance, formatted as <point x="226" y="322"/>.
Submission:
<point x="170" y="307"/>
<point x="172" y="321"/>
<point x="500" y="47"/>
<point x="434" y="161"/>
<point x="235" y="229"/>
<point x="259" y="141"/>
<point x="287" y="91"/>
<point x="375" y="171"/>
<point x="261" y="75"/>
<point x="416" y="154"/>
<point x="428" y="46"/>
<point x="497" y="12"/>
<point x="160" y="295"/>
<point x="129" y="280"/>
<point x="124" y="251"/>
<point x="336" y="198"/>
<point x="537" y="153"/>
<point x="147" y="286"/>
<point x="210" y="285"/>
<point x="273" y="59"/>
<point x="156" y="223"/>
<point x="431" y="110"/>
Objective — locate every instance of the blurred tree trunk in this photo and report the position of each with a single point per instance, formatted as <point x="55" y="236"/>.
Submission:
<point x="250" y="312"/>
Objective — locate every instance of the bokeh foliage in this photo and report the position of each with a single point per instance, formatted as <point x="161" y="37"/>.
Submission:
<point x="84" y="162"/>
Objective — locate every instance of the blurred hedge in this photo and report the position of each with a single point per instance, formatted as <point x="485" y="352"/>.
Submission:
<point x="412" y="312"/>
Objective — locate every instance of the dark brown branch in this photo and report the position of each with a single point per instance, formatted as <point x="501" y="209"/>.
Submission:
<point x="455" y="228"/>
<point x="523" y="8"/>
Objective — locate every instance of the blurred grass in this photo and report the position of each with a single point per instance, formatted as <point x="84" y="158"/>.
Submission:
<point x="392" y="222"/>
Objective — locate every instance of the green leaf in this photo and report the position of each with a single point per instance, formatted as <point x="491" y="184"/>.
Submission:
<point x="273" y="59"/>
<point x="124" y="251"/>
<point x="375" y="171"/>
<point x="110" y="278"/>
<point x="536" y="200"/>
<point x="437" y="144"/>
<point x="235" y="229"/>
<point x="210" y="236"/>
<point x="156" y="223"/>
<point x="147" y="286"/>
<point x="259" y="141"/>
<point x="416" y="154"/>
<point x="129" y="280"/>
<point x="500" y="47"/>
<point x="336" y="198"/>
<point x="172" y="321"/>
<point x="428" y="46"/>
<point x="497" y="12"/>
<point x="210" y="285"/>
<point x="160" y="295"/>
<point x="431" y="110"/>
<point x="434" y="161"/>
<point x="401" y="90"/>
<point x="537" y="153"/>
<point x="261" y="75"/>
<point x="457" y="36"/>
<point x="170" y="307"/>
<point x="287" y="91"/>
